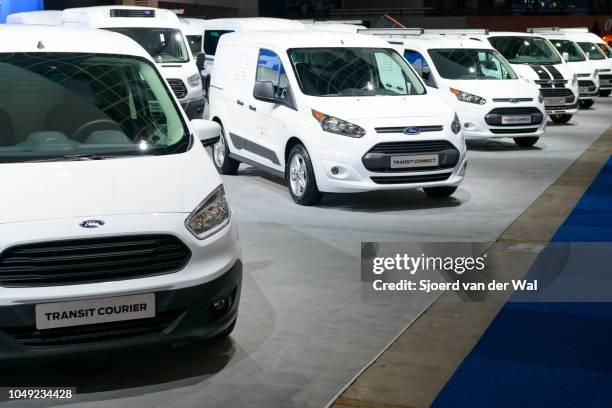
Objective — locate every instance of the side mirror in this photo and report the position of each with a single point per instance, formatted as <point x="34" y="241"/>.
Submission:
<point x="207" y="131"/>
<point x="264" y="91"/>
<point x="566" y="56"/>
<point x="588" y="55"/>
<point x="200" y="59"/>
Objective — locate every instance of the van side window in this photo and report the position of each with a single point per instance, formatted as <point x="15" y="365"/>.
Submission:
<point x="420" y="65"/>
<point x="211" y="40"/>
<point x="270" y="68"/>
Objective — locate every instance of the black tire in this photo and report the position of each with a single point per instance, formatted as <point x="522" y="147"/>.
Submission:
<point x="306" y="191"/>
<point x="224" y="163"/>
<point x="586" y="103"/>
<point x="526" y="141"/>
<point x="605" y="92"/>
<point x="564" y="118"/>
<point x="440" y="192"/>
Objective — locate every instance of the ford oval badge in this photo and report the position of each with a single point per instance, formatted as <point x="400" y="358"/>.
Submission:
<point x="92" y="223"/>
<point x="412" y="130"/>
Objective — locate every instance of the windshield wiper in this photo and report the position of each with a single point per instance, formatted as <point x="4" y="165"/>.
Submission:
<point x="72" y="157"/>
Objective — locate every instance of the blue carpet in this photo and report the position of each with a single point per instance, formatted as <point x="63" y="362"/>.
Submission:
<point x="546" y="354"/>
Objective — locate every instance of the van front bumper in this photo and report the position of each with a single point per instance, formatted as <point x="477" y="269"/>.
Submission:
<point x="194" y="108"/>
<point x="182" y="316"/>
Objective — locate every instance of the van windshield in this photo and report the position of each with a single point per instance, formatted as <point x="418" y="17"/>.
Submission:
<point x="74" y="106"/>
<point x="195" y="43"/>
<point x="526" y="50"/>
<point x="592" y="50"/>
<point x="574" y="52"/>
<point x="163" y="44"/>
<point x="466" y="64"/>
<point x="606" y="49"/>
<point x="353" y="72"/>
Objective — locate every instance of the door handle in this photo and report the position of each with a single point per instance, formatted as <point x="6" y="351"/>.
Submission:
<point x="253" y="108"/>
<point x="239" y="102"/>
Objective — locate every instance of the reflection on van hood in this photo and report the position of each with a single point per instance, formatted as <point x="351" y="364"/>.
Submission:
<point x="516" y="88"/>
<point x="529" y="71"/>
<point x="582" y="67"/>
<point x="383" y="107"/>
<point x="143" y="185"/>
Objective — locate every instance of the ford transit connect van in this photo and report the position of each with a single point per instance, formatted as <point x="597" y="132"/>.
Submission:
<point x="115" y="231"/>
<point x="578" y="61"/>
<point x="599" y="53"/>
<point x="488" y="96"/>
<point x="535" y="58"/>
<point x="159" y="32"/>
<point x="331" y="112"/>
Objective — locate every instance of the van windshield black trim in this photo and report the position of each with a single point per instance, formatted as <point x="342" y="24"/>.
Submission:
<point x="353" y="71"/>
<point x="82" y="106"/>
<point x="526" y="50"/>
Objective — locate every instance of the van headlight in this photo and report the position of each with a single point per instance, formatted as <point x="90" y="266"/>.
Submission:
<point x="210" y="216"/>
<point x="540" y="97"/>
<point x="574" y="80"/>
<point x="468" y="97"/>
<point x="338" y="126"/>
<point x="195" y="81"/>
<point x="456" y="125"/>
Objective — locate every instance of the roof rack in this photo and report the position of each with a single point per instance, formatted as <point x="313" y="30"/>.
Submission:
<point x="534" y="30"/>
<point x="392" y="32"/>
<point x="456" y="31"/>
<point x="576" y="30"/>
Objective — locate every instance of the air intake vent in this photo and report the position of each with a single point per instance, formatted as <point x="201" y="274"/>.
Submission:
<point x="178" y="87"/>
<point x="132" y="12"/>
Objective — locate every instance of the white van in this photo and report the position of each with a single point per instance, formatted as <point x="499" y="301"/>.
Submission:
<point x="599" y="53"/>
<point x="159" y="32"/>
<point x="533" y="57"/>
<point x="41" y="17"/>
<point x="488" y="96"/>
<point x="331" y="112"/>
<point x="115" y="231"/>
<point x="193" y="28"/>
<point x="578" y="61"/>
<point x="215" y="28"/>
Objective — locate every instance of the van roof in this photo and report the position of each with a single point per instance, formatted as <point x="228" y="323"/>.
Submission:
<point x="428" y="42"/>
<point x="125" y="16"/>
<point x="301" y="39"/>
<point x="30" y="38"/>
<point x="255" y="24"/>
<point x="42" y="17"/>
<point x="192" y="26"/>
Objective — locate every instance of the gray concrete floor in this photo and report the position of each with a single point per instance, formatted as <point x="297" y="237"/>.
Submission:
<point x="304" y="330"/>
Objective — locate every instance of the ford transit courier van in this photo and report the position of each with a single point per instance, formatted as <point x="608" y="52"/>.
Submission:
<point x="578" y="61"/>
<point x="488" y="96"/>
<point x="159" y="32"/>
<point x="535" y="58"/>
<point x="115" y="231"/>
<point x="331" y="112"/>
<point x="599" y="53"/>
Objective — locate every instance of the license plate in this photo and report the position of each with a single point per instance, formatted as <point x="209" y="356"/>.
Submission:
<point x="516" y="120"/>
<point x="424" y="160"/>
<point x="554" y="101"/>
<point x="583" y="89"/>
<point x="92" y="311"/>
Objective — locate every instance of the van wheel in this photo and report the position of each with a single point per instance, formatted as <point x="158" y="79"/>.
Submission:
<point x="605" y="92"/>
<point x="302" y="182"/>
<point x="440" y="192"/>
<point x="526" y="141"/>
<point x="224" y="163"/>
<point x="586" y="103"/>
<point x="561" y="118"/>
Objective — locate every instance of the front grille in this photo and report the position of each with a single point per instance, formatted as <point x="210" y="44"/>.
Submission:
<point x="178" y="87"/>
<point x="550" y="82"/>
<point x="420" y="146"/>
<point x="514" y="100"/>
<point x="513" y="131"/>
<point x="606" y="78"/>
<point x="132" y="13"/>
<point x="92" y="260"/>
<point x="590" y="85"/>
<point x="550" y="108"/>
<point x="30" y="336"/>
<point x="401" y="129"/>
<point x="556" y="92"/>
<point x="494" y="118"/>
<point x="423" y="178"/>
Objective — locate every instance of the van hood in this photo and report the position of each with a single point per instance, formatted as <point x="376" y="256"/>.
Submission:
<point x="144" y="185"/>
<point x="582" y="67"/>
<point x="531" y="71"/>
<point x="515" y="88"/>
<point x="382" y="107"/>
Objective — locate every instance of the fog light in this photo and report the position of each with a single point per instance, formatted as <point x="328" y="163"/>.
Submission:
<point x="335" y="170"/>
<point x="219" y="305"/>
<point x="466" y="125"/>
